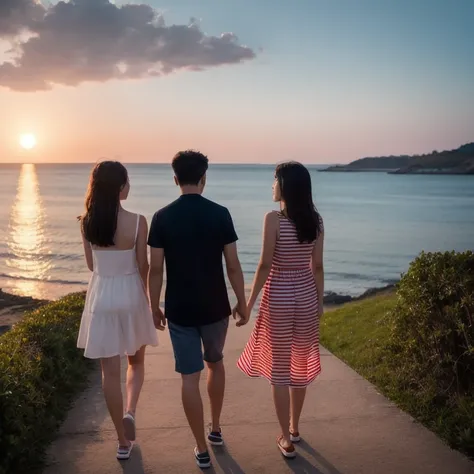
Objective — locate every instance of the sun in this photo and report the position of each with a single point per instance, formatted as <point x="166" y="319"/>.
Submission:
<point x="27" y="141"/>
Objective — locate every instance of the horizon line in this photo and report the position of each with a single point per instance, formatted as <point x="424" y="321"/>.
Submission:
<point x="155" y="163"/>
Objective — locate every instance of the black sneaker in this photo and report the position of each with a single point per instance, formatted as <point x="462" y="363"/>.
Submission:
<point x="215" y="438"/>
<point x="203" y="460"/>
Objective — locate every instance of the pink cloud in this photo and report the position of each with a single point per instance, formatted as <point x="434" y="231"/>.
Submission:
<point x="95" y="40"/>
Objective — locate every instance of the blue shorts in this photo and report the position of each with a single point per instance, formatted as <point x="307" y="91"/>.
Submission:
<point x="188" y="343"/>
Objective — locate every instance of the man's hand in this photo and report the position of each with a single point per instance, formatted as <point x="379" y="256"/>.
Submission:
<point x="159" y="319"/>
<point x="241" y="310"/>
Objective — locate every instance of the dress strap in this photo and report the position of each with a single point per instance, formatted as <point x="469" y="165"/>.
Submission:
<point x="136" y="229"/>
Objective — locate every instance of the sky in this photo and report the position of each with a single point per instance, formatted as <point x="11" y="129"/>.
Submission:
<point x="254" y="81"/>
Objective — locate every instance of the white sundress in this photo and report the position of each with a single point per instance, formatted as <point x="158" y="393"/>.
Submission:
<point x="117" y="318"/>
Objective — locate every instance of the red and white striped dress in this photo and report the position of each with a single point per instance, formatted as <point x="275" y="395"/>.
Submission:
<point x="284" y="345"/>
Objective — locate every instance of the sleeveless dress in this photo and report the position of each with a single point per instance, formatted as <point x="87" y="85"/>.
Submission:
<point x="117" y="319"/>
<point x="284" y="344"/>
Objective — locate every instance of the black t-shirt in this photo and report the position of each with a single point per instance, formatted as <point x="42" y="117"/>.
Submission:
<point x="193" y="232"/>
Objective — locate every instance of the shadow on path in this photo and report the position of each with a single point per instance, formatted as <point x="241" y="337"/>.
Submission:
<point x="324" y="466"/>
<point x="134" y="465"/>
<point x="300" y="464"/>
<point x="226" y="462"/>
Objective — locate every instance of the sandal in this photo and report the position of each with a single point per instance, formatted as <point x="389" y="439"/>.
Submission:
<point x="288" y="452"/>
<point x="129" y="426"/>
<point x="295" y="437"/>
<point x="124" y="452"/>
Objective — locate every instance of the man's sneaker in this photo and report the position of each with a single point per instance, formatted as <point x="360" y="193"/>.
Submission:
<point x="203" y="460"/>
<point x="215" y="438"/>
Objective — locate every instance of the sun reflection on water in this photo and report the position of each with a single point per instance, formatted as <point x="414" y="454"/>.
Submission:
<point x="29" y="260"/>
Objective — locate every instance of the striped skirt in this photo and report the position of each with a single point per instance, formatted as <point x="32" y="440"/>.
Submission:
<point x="284" y="345"/>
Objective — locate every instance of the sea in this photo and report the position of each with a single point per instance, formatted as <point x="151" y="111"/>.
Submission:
<point x="375" y="223"/>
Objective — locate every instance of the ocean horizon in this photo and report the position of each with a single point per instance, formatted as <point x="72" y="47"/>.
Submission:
<point x="375" y="223"/>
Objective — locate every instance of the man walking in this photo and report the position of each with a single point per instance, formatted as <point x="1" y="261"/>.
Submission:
<point x="191" y="235"/>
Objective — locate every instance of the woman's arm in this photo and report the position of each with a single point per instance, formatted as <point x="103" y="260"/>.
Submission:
<point x="318" y="269"/>
<point x="87" y="252"/>
<point x="270" y="235"/>
<point x="141" y="250"/>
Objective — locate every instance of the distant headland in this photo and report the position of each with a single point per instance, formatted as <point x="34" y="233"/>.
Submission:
<point x="458" y="161"/>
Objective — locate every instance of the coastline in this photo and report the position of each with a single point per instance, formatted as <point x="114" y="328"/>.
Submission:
<point x="13" y="306"/>
<point x="400" y="171"/>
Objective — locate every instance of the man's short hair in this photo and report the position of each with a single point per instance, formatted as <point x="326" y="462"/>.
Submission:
<point x="189" y="167"/>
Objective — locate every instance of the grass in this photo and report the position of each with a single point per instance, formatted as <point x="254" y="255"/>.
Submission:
<point x="41" y="371"/>
<point x="359" y="333"/>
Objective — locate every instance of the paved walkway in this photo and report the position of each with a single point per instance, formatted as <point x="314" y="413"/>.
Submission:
<point x="348" y="428"/>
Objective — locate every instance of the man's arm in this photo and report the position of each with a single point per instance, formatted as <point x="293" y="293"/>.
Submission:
<point x="155" y="274"/>
<point x="236" y="278"/>
<point x="141" y="250"/>
<point x="234" y="270"/>
<point x="155" y="284"/>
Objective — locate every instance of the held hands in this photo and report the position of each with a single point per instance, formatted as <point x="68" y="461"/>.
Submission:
<point x="159" y="319"/>
<point x="241" y="310"/>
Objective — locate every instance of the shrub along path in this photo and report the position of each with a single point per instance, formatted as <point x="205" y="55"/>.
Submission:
<point x="347" y="426"/>
<point x="41" y="371"/>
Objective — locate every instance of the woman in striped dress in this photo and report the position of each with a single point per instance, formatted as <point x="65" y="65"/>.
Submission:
<point x="284" y="345"/>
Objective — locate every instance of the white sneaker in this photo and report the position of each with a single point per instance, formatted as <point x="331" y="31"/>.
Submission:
<point x="129" y="426"/>
<point x="124" y="452"/>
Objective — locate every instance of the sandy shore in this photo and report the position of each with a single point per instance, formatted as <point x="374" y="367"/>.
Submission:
<point x="12" y="308"/>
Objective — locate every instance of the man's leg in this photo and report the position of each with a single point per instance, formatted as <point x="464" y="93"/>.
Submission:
<point x="189" y="363"/>
<point x="192" y="404"/>
<point x="213" y="337"/>
<point x="215" y="390"/>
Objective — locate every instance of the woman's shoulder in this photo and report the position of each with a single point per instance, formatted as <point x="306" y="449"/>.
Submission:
<point x="272" y="216"/>
<point x="275" y="214"/>
<point x="271" y="220"/>
<point x="133" y="215"/>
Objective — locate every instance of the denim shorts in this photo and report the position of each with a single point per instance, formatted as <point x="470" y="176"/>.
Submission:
<point x="189" y="341"/>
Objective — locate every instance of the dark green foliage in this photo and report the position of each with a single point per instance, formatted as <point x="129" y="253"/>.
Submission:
<point x="40" y="372"/>
<point x="418" y="346"/>
<point x="432" y="342"/>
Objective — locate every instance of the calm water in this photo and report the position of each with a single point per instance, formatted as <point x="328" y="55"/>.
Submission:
<point x="375" y="223"/>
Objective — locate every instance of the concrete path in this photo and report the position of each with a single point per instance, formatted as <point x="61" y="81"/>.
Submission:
<point x="348" y="428"/>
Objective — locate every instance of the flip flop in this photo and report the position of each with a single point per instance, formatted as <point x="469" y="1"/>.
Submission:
<point x="295" y="437"/>
<point x="288" y="452"/>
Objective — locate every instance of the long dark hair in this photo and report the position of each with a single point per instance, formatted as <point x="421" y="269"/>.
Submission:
<point x="99" y="221"/>
<point x="295" y="187"/>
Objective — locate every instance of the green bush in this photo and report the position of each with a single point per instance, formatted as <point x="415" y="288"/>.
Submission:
<point x="40" y="372"/>
<point x="431" y="344"/>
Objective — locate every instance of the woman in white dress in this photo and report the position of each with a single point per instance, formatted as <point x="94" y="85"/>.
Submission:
<point x="117" y="320"/>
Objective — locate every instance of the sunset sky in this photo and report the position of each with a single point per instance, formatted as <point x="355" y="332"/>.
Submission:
<point x="315" y="80"/>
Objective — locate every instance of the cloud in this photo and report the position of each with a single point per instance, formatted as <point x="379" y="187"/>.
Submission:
<point x="94" y="40"/>
<point x="17" y="15"/>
